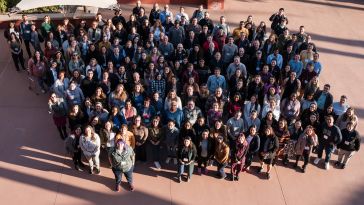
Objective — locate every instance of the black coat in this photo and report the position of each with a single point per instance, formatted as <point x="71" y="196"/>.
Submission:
<point x="329" y="98"/>
<point x="350" y="140"/>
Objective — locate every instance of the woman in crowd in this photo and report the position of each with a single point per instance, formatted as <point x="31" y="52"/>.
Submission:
<point x="155" y="137"/>
<point x="122" y="159"/>
<point x="107" y="138"/>
<point x="186" y="158"/>
<point x="253" y="141"/>
<point x="269" y="147"/>
<point x="204" y="151"/>
<point x="284" y="137"/>
<point x="129" y="111"/>
<point x="90" y="146"/>
<point x="140" y="133"/>
<point x="348" y="116"/>
<point x="16" y="51"/>
<point x="238" y="158"/>
<point x="304" y="145"/>
<point x="221" y="156"/>
<point x="37" y="66"/>
<point x="72" y="144"/>
<point x="58" y="109"/>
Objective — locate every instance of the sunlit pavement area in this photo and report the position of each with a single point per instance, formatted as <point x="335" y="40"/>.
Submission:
<point x="34" y="168"/>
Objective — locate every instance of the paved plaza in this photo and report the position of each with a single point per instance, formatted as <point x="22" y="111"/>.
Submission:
<point x="35" y="170"/>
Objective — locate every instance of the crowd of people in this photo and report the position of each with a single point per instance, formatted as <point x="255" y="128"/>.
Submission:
<point x="181" y="89"/>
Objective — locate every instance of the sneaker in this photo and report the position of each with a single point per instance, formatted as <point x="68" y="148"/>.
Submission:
<point x="199" y="171"/>
<point x="317" y="160"/>
<point x="175" y="161"/>
<point x="78" y="168"/>
<point x="179" y="179"/>
<point x="268" y="176"/>
<point x="303" y="169"/>
<point x="285" y="162"/>
<point x="167" y="160"/>
<point x="327" y="166"/>
<point x="97" y="171"/>
<point x="117" y="188"/>
<point x="131" y="187"/>
<point x="157" y="165"/>
<point x="206" y="171"/>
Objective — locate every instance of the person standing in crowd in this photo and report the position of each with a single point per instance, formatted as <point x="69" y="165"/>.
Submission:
<point x="140" y="133"/>
<point x="122" y="159"/>
<point x="204" y="151"/>
<point x="235" y="126"/>
<point x="107" y="138"/>
<point x="221" y="156"/>
<point x="58" y="108"/>
<point x="72" y="144"/>
<point x="269" y="147"/>
<point x="253" y="141"/>
<point x="126" y="136"/>
<point x="16" y="51"/>
<point x="276" y="18"/>
<point x="37" y="69"/>
<point x="25" y="32"/>
<point x="324" y="98"/>
<point x="90" y="146"/>
<point x="329" y="137"/>
<point x="349" y="145"/>
<point x="155" y="133"/>
<point x="170" y="141"/>
<point x="305" y="142"/>
<point x="348" y="116"/>
<point x="341" y="106"/>
<point x="186" y="158"/>
<point x="239" y="154"/>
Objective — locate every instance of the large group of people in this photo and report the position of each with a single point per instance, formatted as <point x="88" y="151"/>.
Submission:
<point x="181" y="89"/>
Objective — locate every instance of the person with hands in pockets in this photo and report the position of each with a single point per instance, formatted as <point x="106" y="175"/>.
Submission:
<point x="329" y="137"/>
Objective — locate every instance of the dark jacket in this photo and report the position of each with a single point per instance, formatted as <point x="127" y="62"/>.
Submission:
<point x="187" y="154"/>
<point x="330" y="135"/>
<point x="350" y="140"/>
<point x="270" y="147"/>
<point x="254" y="145"/>
<point x="210" y="147"/>
<point x="329" y="98"/>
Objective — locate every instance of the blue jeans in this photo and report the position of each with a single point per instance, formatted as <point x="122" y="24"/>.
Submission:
<point x="328" y="150"/>
<point x="221" y="169"/>
<point x="181" y="169"/>
<point x="128" y="175"/>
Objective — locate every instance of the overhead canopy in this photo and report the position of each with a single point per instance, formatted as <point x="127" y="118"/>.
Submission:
<point x="32" y="4"/>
